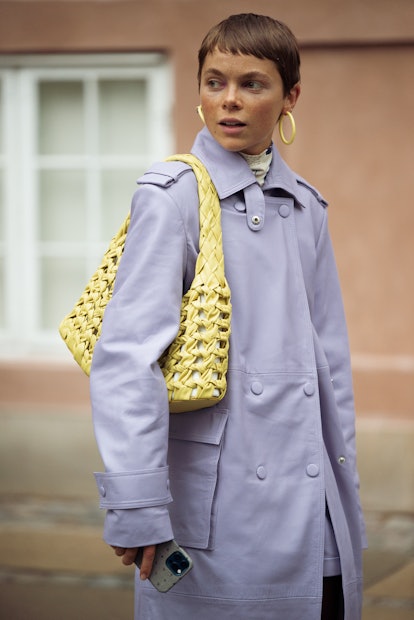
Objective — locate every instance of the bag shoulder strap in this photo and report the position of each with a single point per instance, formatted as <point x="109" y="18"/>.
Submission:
<point x="210" y="261"/>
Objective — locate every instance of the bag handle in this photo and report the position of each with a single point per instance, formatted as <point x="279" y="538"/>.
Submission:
<point x="210" y="261"/>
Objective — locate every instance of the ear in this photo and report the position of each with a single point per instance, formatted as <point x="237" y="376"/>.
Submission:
<point x="291" y="99"/>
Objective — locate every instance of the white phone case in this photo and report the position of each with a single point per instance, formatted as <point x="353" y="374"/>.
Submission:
<point x="171" y="563"/>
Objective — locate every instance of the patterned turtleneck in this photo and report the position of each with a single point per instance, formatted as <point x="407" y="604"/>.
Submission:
<point x="259" y="164"/>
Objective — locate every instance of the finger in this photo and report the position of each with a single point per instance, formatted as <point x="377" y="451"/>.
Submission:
<point x="118" y="550"/>
<point x="129" y="556"/>
<point x="147" y="561"/>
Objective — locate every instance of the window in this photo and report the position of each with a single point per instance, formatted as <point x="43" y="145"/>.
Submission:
<point x="75" y="133"/>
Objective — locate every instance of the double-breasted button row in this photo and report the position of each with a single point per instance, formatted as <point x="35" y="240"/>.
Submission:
<point x="284" y="211"/>
<point x="257" y="388"/>
<point x="312" y="471"/>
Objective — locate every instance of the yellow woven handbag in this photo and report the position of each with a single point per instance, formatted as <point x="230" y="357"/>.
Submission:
<point x="195" y="364"/>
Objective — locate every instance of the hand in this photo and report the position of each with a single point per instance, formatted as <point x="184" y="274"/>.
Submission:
<point x="129" y="555"/>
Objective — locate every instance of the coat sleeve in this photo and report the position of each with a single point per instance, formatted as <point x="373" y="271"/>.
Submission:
<point x="128" y="393"/>
<point x="331" y="329"/>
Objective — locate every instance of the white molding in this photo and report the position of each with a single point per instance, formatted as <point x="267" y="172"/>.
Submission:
<point x="121" y="60"/>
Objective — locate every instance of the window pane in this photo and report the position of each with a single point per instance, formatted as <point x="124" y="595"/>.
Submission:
<point x="2" y="209"/>
<point x="117" y="189"/>
<point x="123" y="118"/>
<point x="61" y="126"/>
<point x="2" y="261"/>
<point x="1" y="117"/>
<point x="2" y="227"/>
<point x="62" y="282"/>
<point x="62" y="205"/>
<point x="2" y="294"/>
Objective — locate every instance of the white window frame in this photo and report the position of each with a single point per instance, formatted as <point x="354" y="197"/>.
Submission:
<point x="23" y="338"/>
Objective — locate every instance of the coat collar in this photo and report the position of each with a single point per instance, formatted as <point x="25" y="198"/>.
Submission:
<point x="230" y="173"/>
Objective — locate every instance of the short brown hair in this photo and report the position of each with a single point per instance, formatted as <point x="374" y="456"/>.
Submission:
<point x="255" y="35"/>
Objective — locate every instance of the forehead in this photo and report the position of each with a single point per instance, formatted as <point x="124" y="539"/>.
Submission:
<point x="231" y="64"/>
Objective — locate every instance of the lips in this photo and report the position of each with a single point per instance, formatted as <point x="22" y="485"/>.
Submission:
<point x="231" y="122"/>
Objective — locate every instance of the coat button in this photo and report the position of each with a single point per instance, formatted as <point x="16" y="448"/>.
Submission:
<point x="341" y="460"/>
<point x="261" y="472"/>
<point x="309" y="389"/>
<point x="256" y="220"/>
<point x="284" y="211"/>
<point x="240" y="206"/>
<point x="102" y="491"/>
<point x="312" y="470"/>
<point x="256" y="387"/>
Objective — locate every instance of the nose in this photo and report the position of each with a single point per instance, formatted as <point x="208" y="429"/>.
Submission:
<point x="231" y="99"/>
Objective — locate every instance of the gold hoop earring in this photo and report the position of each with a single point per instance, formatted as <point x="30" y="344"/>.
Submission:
<point x="293" y="126"/>
<point x="200" y="113"/>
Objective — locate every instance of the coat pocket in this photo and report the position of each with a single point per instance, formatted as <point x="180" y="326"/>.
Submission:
<point x="193" y="457"/>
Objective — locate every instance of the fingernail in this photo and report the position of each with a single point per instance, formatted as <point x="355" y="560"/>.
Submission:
<point x="143" y="576"/>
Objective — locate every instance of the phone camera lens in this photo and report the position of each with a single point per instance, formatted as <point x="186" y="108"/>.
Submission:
<point x="177" y="563"/>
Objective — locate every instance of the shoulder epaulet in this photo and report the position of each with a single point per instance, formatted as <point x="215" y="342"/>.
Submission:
<point x="304" y="184"/>
<point x="164" y="173"/>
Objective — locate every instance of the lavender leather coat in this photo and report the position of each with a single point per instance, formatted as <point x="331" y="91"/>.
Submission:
<point x="245" y="484"/>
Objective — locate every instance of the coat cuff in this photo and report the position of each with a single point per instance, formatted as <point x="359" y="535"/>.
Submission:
<point x="139" y="489"/>
<point x="137" y="527"/>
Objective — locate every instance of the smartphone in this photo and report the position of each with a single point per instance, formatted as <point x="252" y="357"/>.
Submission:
<point x="170" y="565"/>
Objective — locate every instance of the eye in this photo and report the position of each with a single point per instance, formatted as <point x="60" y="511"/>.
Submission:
<point x="253" y="85"/>
<point x="213" y="83"/>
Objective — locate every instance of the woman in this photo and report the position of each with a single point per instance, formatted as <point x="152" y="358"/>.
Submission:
<point x="264" y="485"/>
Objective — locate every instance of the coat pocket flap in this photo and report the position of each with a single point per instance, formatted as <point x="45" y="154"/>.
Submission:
<point x="203" y="426"/>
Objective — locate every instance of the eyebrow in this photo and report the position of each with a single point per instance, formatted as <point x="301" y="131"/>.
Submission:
<point x="250" y="75"/>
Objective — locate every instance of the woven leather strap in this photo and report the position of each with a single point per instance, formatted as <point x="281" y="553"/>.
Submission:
<point x="210" y="263"/>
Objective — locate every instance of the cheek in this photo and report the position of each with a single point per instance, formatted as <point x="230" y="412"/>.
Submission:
<point x="269" y="114"/>
<point x="209" y="109"/>
<point x="208" y="103"/>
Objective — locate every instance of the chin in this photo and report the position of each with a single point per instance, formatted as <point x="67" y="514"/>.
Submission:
<point x="231" y="145"/>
